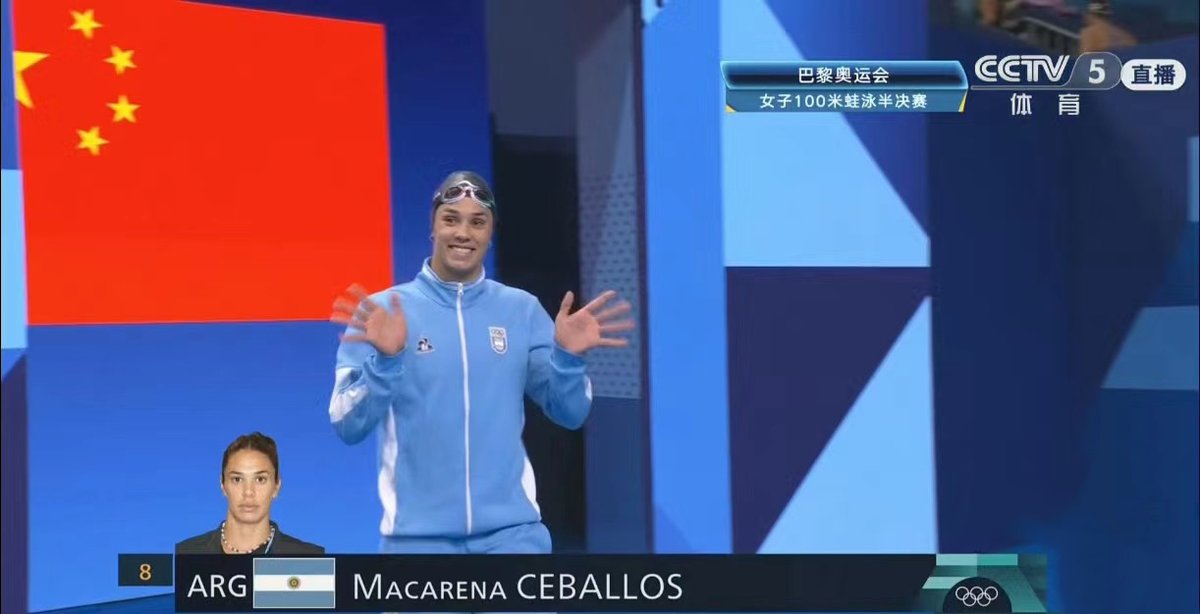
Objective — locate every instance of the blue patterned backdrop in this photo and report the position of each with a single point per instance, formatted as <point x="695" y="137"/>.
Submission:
<point x="964" y="333"/>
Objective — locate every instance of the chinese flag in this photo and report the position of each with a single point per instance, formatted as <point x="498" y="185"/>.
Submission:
<point x="186" y="162"/>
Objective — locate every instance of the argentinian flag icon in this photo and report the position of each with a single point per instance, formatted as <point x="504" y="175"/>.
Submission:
<point x="294" y="583"/>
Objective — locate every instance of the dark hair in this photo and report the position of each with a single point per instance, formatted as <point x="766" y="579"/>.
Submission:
<point x="468" y="176"/>
<point x="254" y="441"/>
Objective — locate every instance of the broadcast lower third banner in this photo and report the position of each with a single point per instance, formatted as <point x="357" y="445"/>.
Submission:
<point x="845" y="86"/>
<point x="613" y="583"/>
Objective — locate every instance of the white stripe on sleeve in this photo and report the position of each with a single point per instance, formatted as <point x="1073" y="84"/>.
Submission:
<point x="345" y="398"/>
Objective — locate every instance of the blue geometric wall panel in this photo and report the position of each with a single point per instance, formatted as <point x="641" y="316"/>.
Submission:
<point x="13" y="320"/>
<point x="685" y="280"/>
<point x="872" y="488"/>
<point x="1161" y="351"/>
<point x="616" y="472"/>
<point x="10" y="358"/>
<point x="802" y="190"/>
<point x="895" y="30"/>
<point x="8" y="98"/>
<point x="1000" y="316"/>
<point x="803" y="343"/>
<point x="1130" y="193"/>
<point x="1132" y="528"/>
<point x="15" y="407"/>
<point x="12" y="268"/>
<point x="1194" y="179"/>
<point x="1141" y="496"/>
<point x="1181" y="284"/>
<point x="805" y="175"/>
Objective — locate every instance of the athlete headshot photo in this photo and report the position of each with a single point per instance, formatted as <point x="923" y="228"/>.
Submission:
<point x="250" y="482"/>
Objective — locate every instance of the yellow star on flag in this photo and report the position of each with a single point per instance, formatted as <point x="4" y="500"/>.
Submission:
<point x="121" y="59"/>
<point x="91" y="140"/>
<point x="21" y="61"/>
<point x="85" y="22"/>
<point x="123" y="109"/>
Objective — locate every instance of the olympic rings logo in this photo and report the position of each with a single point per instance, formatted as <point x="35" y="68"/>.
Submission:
<point x="976" y="596"/>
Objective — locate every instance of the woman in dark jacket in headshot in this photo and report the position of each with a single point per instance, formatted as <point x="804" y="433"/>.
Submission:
<point x="250" y="481"/>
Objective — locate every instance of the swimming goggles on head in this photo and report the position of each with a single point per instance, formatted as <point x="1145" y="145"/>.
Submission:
<point x="462" y="190"/>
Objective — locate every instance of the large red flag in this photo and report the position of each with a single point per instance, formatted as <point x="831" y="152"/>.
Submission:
<point x="189" y="162"/>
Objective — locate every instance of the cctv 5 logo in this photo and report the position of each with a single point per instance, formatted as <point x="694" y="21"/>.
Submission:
<point x="1021" y="68"/>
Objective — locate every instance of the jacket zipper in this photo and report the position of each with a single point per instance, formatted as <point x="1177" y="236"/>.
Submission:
<point x="462" y="342"/>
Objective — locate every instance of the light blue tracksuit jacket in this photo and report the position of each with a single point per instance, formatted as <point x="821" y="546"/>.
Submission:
<point x="449" y="408"/>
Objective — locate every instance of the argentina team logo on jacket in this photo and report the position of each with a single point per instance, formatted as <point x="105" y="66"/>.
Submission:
<point x="499" y="339"/>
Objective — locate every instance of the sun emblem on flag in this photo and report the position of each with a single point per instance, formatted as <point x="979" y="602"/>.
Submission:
<point x="293" y="582"/>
